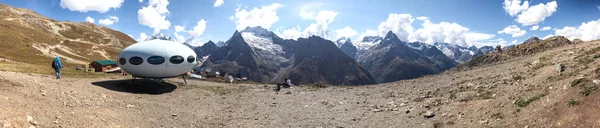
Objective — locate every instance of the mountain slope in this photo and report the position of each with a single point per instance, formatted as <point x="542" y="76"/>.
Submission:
<point x="349" y="49"/>
<point x="264" y="57"/>
<point x="319" y="60"/>
<point x="31" y="38"/>
<point x="206" y="49"/>
<point x="392" y="60"/>
<point x="462" y="54"/>
<point x="516" y="51"/>
<point x="237" y="57"/>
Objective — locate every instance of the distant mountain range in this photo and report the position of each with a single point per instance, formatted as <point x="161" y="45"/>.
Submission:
<point x="393" y="60"/>
<point x="262" y="56"/>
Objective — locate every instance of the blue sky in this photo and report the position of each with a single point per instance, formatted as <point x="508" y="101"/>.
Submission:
<point x="463" y="22"/>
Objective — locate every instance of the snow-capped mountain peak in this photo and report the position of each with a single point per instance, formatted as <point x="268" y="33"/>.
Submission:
<point x="459" y="53"/>
<point x="220" y="44"/>
<point x="342" y="41"/>
<point x="160" y="36"/>
<point x="258" y="31"/>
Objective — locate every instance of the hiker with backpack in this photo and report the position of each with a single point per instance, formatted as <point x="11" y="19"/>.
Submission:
<point x="56" y="65"/>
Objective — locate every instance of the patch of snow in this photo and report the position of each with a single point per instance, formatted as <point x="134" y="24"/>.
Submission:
<point x="258" y="32"/>
<point x="448" y="52"/>
<point x="202" y="60"/>
<point x="366" y="45"/>
<point x="341" y="41"/>
<point x="420" y="47"/>
<point x="466" y="50"/>
<point x="264" y="47"/>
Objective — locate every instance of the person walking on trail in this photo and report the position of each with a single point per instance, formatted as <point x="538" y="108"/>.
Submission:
<point x="57" y="66"/>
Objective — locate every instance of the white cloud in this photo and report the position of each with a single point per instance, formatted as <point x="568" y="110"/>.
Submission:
<point x="514" y="42"/>
<point x="367" y="33"/>
<point x="548" y="36"/>
<point x="90" y="20"/>
<point x="514" y="30"/>
<point x="345" y="32"/>
<point x="142" y="37"/>
<point x="400" y="24"/>
<point x="545" y="28"/>
<point x="155" y="15"/>
<point x="536" y="14"/>
<point x="264" y="17"/>
<point x="598" y="7"/>
<point x="478" y="39"/>
<point x="101" y="6"/>
<point x="293" y="33"/>
<point x="322" y="21"/>
<point x="179" y="28"/>
<point x="179" y="38"/>
<point x="218" y="3"/>
<point x="423" y="18"/>
<point x="109" y="21"/>
<point x="441" y="32"/>
<point x="308" y="11"/>
<point x="514" y="7"/>
<point x="535" y="27"/>
<point x="586" y="31"/>
<point x="492" y="42"/>
<point x="141" y="1"/>
<point x="319" y="28"/>
<point x="199" y="29"/>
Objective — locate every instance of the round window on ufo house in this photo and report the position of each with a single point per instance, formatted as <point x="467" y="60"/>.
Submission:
<point x="176" y="59"/>
<point x="122" y="61"/>
<point x="136" y="60"/>
<point x="191" y="59"/>
<point x="156" y="60"/>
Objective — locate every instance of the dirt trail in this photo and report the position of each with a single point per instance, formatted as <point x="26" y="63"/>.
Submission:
<point x="483" y="97"/>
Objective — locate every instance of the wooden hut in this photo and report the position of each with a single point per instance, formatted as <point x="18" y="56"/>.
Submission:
<point x="103" y="65"/>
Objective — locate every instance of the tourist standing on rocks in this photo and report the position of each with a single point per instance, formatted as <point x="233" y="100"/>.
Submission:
<point x="56" y="65"/>
<point x="288" y="82"/>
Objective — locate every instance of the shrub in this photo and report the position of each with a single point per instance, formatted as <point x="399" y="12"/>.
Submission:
<point x="588" y="90"/>
<point x="578" y="81"/>
<point x="573" y="102"/>
<point x="518" y="77"/>
<point x="524" y="103"/>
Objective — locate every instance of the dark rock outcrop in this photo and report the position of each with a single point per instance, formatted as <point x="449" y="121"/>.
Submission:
<point x="349" y="49"/>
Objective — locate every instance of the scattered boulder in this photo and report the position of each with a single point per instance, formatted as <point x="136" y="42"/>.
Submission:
<point x="31" y="120"/>
<point x="429" y="114"/>
<point x="560" y="68"/>
<point x="483" y="122"/>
